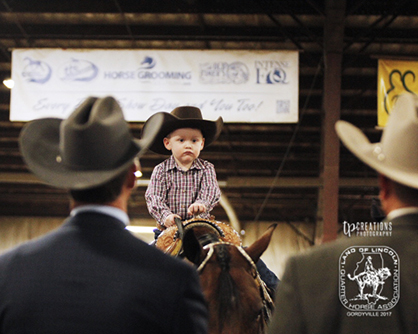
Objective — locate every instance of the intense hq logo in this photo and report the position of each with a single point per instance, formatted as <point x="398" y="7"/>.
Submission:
<point x="271" y="71"/>
<point x="369" y="280"/>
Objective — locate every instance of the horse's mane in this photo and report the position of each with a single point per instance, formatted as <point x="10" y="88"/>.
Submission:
<point x="227" y="293"/>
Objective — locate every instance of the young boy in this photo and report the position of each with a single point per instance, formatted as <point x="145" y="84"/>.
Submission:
<point x="183" y="185"/>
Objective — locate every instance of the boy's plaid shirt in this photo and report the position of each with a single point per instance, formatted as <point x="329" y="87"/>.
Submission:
<point x="172" y="190"/>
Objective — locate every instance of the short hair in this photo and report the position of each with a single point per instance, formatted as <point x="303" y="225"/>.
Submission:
<point x="101" y="194"/>
<point x="406" y="194"/>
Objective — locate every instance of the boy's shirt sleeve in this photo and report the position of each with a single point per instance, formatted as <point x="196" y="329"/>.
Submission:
<point x="210" y="193"/>
<point x="155" y="196"/>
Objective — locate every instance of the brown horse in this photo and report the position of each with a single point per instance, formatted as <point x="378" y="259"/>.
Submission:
<point x="237" y="298"/>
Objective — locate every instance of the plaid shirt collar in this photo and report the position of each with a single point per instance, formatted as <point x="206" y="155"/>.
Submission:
<point x="171" y="164"/>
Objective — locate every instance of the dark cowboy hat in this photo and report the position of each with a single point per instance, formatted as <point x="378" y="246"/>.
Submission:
<point x="183" y="117"/>
<point x="89" y="148"/>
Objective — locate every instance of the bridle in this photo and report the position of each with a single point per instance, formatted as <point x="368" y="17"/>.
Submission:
<point x="221" y="235"/>
<point x="265" y="296"/>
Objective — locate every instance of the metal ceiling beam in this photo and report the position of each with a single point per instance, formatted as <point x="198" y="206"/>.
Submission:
<point x="150" y="19"/>
<point x="150" y="42"/>
<point x="231" y="182"/>
<point x="189" y="19"/>
<point x="394" y="47"/>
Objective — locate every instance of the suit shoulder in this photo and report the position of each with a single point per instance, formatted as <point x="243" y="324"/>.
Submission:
<point x="322" y="254"/>
<point x="168" y="262"/>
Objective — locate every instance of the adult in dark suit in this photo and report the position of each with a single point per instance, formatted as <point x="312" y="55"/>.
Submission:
<point x="91" y="275"/>
<point x="333" y="288"/>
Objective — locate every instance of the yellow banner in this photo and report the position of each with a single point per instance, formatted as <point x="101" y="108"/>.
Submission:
<point x="394" y="78"/>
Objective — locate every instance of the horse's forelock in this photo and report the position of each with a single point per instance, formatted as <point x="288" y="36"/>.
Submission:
<point x="227" y="292"/>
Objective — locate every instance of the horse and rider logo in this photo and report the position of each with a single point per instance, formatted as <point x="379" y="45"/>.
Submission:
<point x="369" y="278"/>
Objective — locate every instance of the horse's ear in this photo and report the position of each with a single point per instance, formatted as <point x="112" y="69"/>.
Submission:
<point x="259" y="246"/>
<point x="192" y="249"/>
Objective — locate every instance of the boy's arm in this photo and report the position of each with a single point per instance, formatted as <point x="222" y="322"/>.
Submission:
<point x="210" y="193"/>
<point x="155" y="196"/>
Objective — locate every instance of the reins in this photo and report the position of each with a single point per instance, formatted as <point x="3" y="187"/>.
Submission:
<point x="265" y="296"/>
<point x="216" y="234"/>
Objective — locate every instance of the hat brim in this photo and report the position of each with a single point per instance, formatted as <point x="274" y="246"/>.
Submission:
<point x="210" y="129"/>
<point x="355" y="140"/>
<point x="39" y="145"/>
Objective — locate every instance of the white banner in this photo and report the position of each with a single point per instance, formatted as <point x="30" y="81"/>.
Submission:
<point x="240" y="86"/>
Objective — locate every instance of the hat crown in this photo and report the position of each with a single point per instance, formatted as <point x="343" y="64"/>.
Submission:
<point x="400" y="137"/>
<point x="187" y="112"/>
<point x="89" y="148"/>
<point x="396" y="155"/>
<point x="95" y="136"/>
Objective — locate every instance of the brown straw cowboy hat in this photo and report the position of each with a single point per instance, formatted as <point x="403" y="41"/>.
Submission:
<point x="89" y="148"/>
<point x="183" y="117"/>
<point x="396" y="155"/>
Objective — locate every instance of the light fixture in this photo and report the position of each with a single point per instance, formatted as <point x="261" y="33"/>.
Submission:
<point x="140" y="229"/>
<point x="9" y="83"/>
<point x="138" y="173"/>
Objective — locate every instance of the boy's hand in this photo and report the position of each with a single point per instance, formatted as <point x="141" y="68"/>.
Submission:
<point x="196" y="208"/>
<point x="170" y="220"/>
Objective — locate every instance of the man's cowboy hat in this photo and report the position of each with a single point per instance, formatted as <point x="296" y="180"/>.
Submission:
<point x="396" y="155"/>
<point x="89" y="148"/>
<point x="184" y="117"/>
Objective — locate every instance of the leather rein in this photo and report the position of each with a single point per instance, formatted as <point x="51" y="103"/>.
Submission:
<point x="265" y="296"/>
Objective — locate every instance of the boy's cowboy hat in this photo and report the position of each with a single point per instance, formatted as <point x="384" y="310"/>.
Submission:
<point x="184" y="117"/>
<point x="89" y="148"/>
<point x="396" y="155"/>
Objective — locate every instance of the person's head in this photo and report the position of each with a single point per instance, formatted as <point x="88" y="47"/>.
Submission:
<point x="394" y="195"/>
<point x="395" y="157"/>
<point x="104" y="193"/>
<point x="185" y="144"/>
<point x="89" y="149"/>
<point x="185" y="117"/>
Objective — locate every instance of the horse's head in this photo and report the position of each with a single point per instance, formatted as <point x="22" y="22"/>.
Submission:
<point x="230" y="281"/>
<point x="383" y="273"/>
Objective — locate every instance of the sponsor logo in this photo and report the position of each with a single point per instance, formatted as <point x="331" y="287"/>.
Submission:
<point x="78" y="70"/>
<point x="367" y="229"/>
<point x="144" y="72"/>
<point x="147" y="73"/>
<point x="271" y="72"/>
<point x="224" y="73"/>
<point x="36" y="71"/>
<point x="148" y="63"/>
<point x="369" y="282"/>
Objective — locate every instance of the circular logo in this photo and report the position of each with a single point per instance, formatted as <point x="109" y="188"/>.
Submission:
<point x="369" y="278"/>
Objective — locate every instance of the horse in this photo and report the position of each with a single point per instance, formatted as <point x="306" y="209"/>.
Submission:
<point x="238" y="300"/>
<point x="371" y="279"/>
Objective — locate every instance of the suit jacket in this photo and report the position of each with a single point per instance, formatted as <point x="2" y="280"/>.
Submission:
<point x="308" y="296"/>
<point x="92" y="276"/>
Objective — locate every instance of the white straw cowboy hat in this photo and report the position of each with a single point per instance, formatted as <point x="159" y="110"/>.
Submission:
<point x="396" y="155"/>
<point x="184" y="117"/>
<point x="89" y="148"/>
